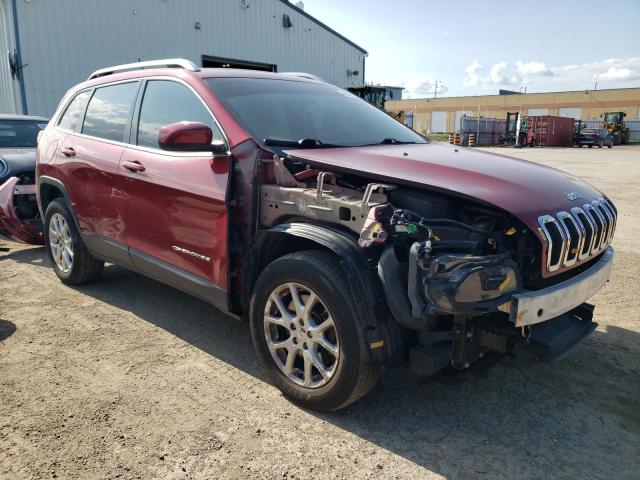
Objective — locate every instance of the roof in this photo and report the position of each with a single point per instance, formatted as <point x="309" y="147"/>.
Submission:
<point x="326" y="27"/>
<point x="6" y="116"/>
<point x="202" y="72"/>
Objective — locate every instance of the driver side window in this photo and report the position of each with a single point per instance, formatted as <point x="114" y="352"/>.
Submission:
<point x="167" y="102"/>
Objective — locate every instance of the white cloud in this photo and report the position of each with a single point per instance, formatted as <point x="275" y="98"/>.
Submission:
<point x="418" y="86"/>
<point x="471" y="78"/>
<point x="533" y="68"/>
<point x="609" y="73"/>
<point x="497" y="73"/>
<point x="614" y="73"/>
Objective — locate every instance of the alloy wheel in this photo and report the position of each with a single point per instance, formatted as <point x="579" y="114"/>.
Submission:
<point x="60" y="242"/>
<point x="301" y="335"/>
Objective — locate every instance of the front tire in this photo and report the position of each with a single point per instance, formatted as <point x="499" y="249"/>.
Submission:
<point x="71" y="260"/>
<point x="307" y="333"/>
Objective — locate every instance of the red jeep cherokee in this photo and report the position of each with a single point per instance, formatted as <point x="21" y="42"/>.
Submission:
<point x="354" y="247"/>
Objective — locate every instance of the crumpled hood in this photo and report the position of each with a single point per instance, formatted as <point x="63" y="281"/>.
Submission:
<point x="525" y="189"/>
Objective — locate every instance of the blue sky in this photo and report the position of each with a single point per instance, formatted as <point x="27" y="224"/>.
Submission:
<point x="476" y="47"/>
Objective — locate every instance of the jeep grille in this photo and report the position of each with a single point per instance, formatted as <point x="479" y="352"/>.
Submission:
<point x="575" y="236"/>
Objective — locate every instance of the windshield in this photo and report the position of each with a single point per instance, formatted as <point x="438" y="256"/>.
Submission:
<point x="611" y="117"/>
<point x="20" y="133"/>
<point x="286" y="113"/>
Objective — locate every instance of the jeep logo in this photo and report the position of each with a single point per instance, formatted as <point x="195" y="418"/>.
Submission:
<point x="573" y="195"/>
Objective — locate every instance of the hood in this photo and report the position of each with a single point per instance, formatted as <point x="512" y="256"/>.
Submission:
<point x="524" y="189"/>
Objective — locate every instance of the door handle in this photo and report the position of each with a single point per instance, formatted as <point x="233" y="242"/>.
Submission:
<point x="68" y="151"/>
<point x="134" y="166"/>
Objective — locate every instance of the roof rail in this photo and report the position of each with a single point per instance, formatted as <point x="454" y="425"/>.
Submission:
<point x="167" y="62"/>
<point x="309" y="76"/>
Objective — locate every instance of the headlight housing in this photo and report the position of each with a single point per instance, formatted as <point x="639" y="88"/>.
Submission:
<point x="458" y="283"/>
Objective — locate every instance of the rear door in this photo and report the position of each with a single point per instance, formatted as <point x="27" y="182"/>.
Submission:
<point x="177" y="216"/>
<point x="89" y="157"/>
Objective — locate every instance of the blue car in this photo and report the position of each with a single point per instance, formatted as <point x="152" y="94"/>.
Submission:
<point x="594" y="136"/>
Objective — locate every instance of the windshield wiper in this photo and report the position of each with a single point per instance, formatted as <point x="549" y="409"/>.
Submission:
<point x="302" y="143"/>
<point x="394" y="141"/>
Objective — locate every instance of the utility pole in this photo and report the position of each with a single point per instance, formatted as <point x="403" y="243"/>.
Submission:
<point x="435" y="90"/>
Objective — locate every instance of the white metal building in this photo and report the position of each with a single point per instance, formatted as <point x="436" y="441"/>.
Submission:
<point x="47" y="46"/>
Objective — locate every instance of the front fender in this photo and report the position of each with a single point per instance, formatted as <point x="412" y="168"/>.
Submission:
<point x="384" y="336"/>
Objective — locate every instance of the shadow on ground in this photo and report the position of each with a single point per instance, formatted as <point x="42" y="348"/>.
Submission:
<point x="574" y="419"/>
<point x="7" y="329"/>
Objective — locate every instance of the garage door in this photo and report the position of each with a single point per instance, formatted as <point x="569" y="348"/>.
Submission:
<point x="459" y="115"/>
<point x="570" y="112"/>
<point x="533" y="112"/>
<point x="438" y="122"/>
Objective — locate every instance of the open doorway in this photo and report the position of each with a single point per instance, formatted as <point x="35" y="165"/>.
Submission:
<point x="220" y="62"/>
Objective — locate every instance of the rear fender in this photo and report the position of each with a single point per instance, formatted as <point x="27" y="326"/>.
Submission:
<point x="11" y="226"/>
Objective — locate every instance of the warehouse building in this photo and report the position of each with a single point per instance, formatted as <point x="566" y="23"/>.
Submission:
<point x="48" y="46"/>
<point x="439" y="115"/>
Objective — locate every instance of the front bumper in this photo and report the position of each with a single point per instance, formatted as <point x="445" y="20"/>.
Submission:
<point x="529" y="308"/>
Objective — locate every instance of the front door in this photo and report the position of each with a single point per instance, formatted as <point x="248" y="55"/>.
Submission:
<point x="177" y="216"/>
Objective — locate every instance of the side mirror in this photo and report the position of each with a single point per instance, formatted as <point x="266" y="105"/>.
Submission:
<point x="189" y="137"/>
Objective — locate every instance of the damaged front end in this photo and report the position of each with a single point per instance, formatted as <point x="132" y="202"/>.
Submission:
<point x="456" y="274"/>
<point x="19" y="215"/>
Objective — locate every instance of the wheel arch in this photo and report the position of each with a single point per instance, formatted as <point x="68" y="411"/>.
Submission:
<point x="49" y="189"/>
<point x="386" y="338"/>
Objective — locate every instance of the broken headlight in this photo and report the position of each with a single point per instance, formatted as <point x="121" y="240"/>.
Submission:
<point x="459" y="283"/>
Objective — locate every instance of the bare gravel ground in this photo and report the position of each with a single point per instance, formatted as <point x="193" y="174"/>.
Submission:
<point x="127" y="378"/>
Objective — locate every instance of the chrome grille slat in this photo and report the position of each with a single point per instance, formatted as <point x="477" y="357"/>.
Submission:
<point x="588" y="233"/>
<point x="545" y="221"/>
<point x="600" y="225"/>
<point x="593" y="224"/>
<point x="563" y="218"/>
<point x="612" y="219"/>
<point x="612" y="209"/>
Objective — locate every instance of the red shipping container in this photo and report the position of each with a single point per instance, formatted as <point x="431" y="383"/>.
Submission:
<point x="549" y="131"/>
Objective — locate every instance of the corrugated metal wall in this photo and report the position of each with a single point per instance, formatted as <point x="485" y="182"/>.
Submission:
<point x="633" y="124"/>
<point x="9" y="86"/>
<point x="63" y="41"/>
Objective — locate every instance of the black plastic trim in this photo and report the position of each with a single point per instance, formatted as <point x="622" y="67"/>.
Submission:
<point x="44" y="179"/>
<point x="108" y="249"/>
<point x="182" y="280"/>
<point x="369" y="297"/>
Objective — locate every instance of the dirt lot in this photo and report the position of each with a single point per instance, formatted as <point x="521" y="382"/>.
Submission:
<point x="127" y="378"/>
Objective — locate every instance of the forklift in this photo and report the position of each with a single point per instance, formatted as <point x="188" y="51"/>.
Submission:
<point x="614" y="124"/>
<point x="516" y="130"/>
<point x="578" y="125"/>
<point x="376" y="96"/>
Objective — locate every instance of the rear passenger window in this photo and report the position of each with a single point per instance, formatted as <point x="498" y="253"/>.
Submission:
<point x="108" y="112"/>
<point x="166" y="102"/>
<point x="72" y="114"/>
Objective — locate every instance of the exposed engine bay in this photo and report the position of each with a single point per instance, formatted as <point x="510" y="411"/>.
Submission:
<point x="448" y="265"/>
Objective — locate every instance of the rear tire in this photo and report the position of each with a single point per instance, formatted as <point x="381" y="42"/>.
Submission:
<point x="69" y="257"/>
<point x="284" y="343"/>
